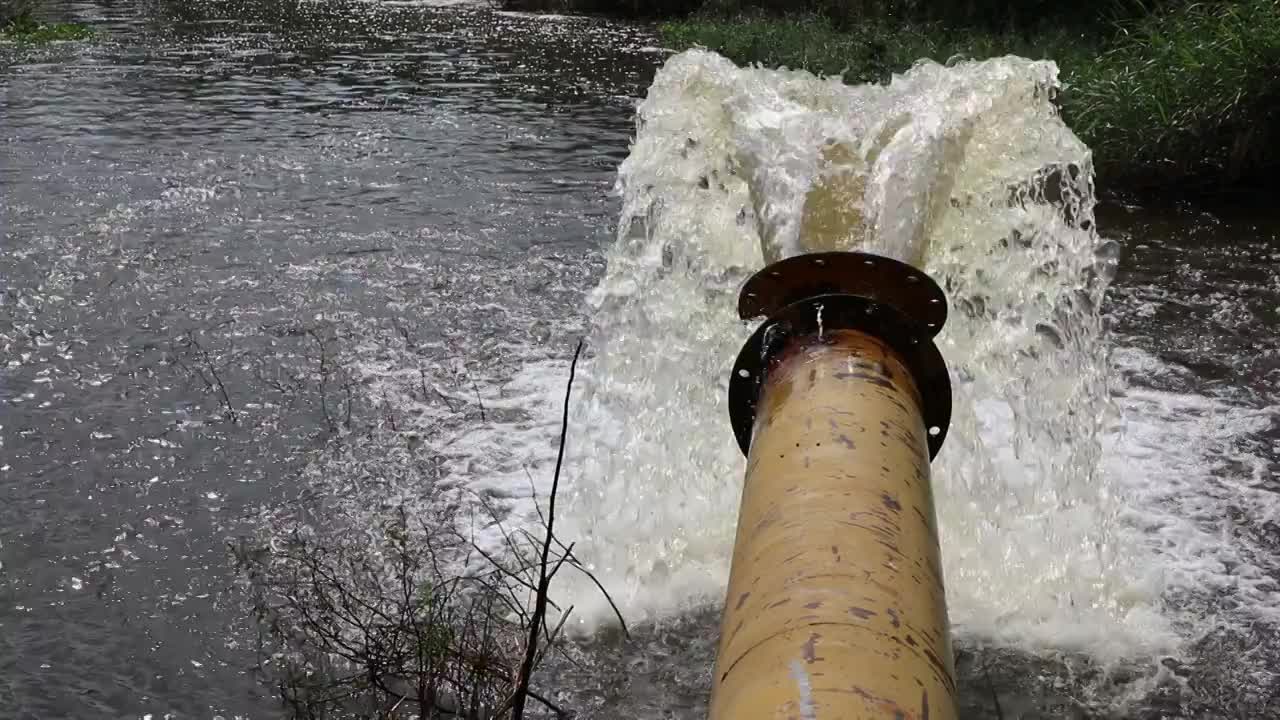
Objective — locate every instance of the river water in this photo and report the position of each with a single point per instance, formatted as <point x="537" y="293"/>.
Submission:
<point x="216" y="204"/>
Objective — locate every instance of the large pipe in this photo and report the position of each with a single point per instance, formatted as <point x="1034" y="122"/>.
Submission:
<point x="835" y="608"/>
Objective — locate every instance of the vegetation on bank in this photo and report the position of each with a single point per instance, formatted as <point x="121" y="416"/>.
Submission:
<point x="385" y="593"/>
<point x="1188" y="94"/>
<point x="24" y="27"/>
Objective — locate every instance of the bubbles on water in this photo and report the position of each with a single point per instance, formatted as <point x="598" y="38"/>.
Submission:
<point x="967" y="168"/>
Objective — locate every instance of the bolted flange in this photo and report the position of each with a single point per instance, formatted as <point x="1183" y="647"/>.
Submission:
<point x="875" y="277"/>
<point x="807" y="295"/>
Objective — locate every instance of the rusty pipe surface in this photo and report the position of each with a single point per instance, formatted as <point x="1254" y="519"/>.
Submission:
<point x="835" y="608"/>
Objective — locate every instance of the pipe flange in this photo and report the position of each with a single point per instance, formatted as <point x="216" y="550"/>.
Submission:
<point x="881" y="279"/>
<point x="810" y="317"/>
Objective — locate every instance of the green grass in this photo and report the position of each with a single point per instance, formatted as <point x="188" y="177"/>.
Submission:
<point x="1188" y="96"/>
<point x="1194" y="92"/>
<point x="25" y="28"/>
<point x="866" y="53"/>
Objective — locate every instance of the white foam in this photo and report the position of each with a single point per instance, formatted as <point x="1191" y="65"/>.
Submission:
<point x="548" y="16"/>
<point x="431" y="3"/>
<point x="1041" y="578"/>
<point x="1069" y="521"/>
<point x="1041" y="548"/>
<point x="656" y="486"/>
<point x="1195" y="484"/>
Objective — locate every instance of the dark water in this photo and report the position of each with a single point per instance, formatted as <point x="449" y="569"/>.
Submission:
<point x="251" y="180"/>
<point x="1199" y="290"/>
<point x="206" y="204"/>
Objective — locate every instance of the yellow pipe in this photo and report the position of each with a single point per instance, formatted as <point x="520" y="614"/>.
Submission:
<point x="835" y="608"/>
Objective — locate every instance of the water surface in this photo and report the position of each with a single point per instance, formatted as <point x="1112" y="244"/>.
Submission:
<point x="220" y="194"/>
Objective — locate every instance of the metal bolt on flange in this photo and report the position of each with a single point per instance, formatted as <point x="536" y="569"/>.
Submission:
<point x="813" y="294"/>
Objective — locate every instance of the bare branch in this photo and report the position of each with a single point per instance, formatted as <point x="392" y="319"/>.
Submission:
<point x="476" y="389"/>
<point x="574" y="562"/>
<point x="544" y="580"/>
<point x="409" y="614"/>
<point x="590" y="576"/>
<point x="550" y="705"/>
<point x="208" y="365"/>
<point x="324" y="379"/>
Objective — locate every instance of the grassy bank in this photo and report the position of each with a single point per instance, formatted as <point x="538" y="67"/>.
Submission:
<point x="615" y="8"/>
<point x="1188" y="96"/>
<point x="23" y="27"/>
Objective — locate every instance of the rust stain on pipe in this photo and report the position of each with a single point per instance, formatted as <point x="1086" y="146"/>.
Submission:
<point x="835" y="608"/>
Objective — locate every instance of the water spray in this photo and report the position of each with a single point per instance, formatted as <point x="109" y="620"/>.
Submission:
<point x="835" y="607"/>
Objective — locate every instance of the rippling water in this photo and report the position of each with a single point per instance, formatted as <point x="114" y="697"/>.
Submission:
<point x="244" y="172"/>
<point x="413" y="191"/>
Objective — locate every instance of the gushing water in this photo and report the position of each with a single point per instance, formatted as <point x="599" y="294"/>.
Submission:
<point x="437" y="223"/>
<point x="1064" y="529"/>
<point x="966" y="170"/>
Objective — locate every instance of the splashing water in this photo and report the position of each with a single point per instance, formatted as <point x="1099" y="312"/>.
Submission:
<point x="1068" y="532"/>
<point x="966" y="170"/>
